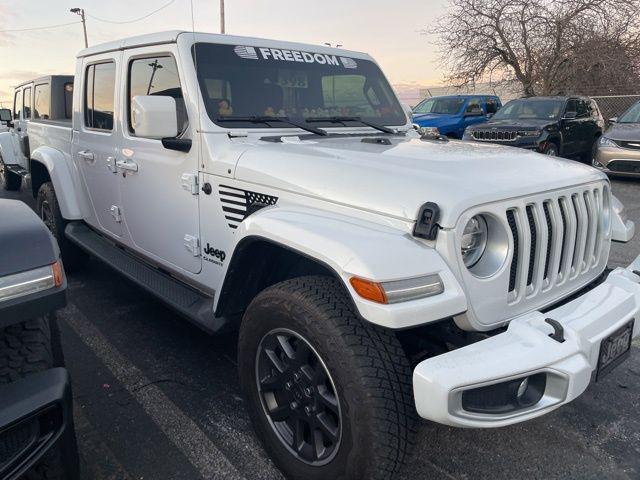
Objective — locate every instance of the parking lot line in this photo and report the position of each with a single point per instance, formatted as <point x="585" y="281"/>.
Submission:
<point x="181" y="430"/>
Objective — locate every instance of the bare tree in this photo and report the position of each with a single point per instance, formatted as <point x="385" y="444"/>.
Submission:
<point x="546" y="46"/>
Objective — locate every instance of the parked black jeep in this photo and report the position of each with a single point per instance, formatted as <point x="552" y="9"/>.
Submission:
<point x="559" y="126"/>
<point x="37" y="439"/>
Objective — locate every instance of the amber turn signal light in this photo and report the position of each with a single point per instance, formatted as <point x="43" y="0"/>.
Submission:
<point x="58" y="275"/>
<point x="369" y="290"/>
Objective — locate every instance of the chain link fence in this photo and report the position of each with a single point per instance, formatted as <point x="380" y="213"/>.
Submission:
<point x="615" y="105"/>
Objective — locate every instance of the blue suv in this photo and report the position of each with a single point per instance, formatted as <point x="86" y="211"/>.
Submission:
<point x="454" y="113"/>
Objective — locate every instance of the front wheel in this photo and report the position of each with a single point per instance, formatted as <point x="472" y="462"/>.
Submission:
<point x="551" y="149"/>
<point x="329" y="395"/>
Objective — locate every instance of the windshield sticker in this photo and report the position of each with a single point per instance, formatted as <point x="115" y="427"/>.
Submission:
<point x="253" y="53"/>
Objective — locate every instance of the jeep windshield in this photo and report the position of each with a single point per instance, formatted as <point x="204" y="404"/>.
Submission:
<point x="440" y="106"/>
<point x="528" y="109"/>
<point x="249" y="82"/>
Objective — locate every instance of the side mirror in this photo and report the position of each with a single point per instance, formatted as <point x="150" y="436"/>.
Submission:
<point x="613" y="120"/>
<point x="154" y="116"/>
<point x="489" y="115"/>
<point x="5" y="115"/>
<point x="570" y="115"/>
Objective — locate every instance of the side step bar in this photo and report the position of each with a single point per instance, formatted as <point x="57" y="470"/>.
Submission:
<point x="193" y="305"/>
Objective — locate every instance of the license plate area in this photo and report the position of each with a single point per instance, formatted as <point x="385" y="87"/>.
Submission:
<point x="615" y="349"/>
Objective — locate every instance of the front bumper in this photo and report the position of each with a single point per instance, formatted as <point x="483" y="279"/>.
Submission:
<point x="525" y="349"/>
<point x="617" y="160"/>
<point x="35" y="412"/>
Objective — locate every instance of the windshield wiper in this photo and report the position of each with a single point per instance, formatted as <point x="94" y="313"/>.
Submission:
<point x="344" y="119"/>
<point x="267" y="120"/>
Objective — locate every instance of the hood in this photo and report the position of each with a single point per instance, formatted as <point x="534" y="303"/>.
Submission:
<point x="395" y="180"/>
<point x="433" y="119"/>
<point x="628" y="132"/>
<point x="528" y="124"/>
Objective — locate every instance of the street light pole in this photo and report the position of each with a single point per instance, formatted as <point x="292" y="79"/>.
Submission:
<point x="80" y="11"/>
<point x="222" y="16"/>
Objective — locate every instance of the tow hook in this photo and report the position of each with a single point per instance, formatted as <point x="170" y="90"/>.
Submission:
<point x="558" y="330"/>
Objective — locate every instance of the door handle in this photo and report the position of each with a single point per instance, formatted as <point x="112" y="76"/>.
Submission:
<point x="127" y="165"/>
<point x="86" y="155"/>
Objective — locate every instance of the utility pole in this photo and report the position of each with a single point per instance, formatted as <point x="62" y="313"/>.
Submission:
<point x="222" y="16"/>
<point x="80" y="11"/>
<point x="156" y="66"/>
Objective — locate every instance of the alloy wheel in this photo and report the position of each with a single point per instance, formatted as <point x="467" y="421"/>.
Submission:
<point x="298" y="396"/>
<point x="47" y="216"/>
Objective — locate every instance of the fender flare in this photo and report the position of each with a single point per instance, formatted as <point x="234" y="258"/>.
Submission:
<point x="62" y="178"/>
<point x="353" y="247"/>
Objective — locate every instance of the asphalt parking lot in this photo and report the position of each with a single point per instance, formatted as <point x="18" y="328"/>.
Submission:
<point x="155" y="398"/>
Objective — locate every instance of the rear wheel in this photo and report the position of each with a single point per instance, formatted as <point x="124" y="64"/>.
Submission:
<point x="49" y="211"/>
<point x="329" y="395"/>
<point x="9" y="180"/>
<point x="30" y="347"/>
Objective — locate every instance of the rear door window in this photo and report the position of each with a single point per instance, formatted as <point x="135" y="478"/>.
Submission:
<point x="17" y="97"/>
<point x="68" y="99"/>
<point x="26" y="103"/>
<point x="42" y="102"/>
<point x="99" y="96"/>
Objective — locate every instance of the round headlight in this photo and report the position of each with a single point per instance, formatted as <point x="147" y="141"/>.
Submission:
<point x="474" y="240"/>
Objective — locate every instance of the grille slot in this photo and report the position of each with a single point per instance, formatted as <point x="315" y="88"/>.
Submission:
<point x="547" y="216"/>
<point x="494" y="135"/>
<point x="557" y="241"/>
<point x="534" y="241"/>
<point x="511" y="218"/>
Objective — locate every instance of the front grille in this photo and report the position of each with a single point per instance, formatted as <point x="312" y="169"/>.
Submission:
<point x="494" y="135"/>
<point x="635" y="145"/>
<point x="13" y="441"/>
<point x="556" y="241"/>
<point x="624" y="166"/>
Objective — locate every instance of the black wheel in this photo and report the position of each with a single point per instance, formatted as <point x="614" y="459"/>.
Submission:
<point x="588" y="156"/>
<point x="551" y="149"/>
<point x="9" y="180"/>
<point x="49" y="211"/>
<point x="27" y="348"/>
<point x="329" y="395"/>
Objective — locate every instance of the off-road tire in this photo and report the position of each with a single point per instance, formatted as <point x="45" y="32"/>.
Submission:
<point x="49" y="211"/>
<point x="30" y="347"/>
<point x="9" y="180"/>
<point x="369" y="368"/>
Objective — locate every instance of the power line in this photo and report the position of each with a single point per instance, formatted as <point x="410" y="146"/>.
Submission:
<point x="38" y="28"/>
<point x="135" y="19"/>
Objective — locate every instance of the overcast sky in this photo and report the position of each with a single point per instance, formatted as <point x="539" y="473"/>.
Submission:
<point x="388" y="30"/>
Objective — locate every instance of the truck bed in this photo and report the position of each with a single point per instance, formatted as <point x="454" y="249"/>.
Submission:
<point x="52" y="133"/>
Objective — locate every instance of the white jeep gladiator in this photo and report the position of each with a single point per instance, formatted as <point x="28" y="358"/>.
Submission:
<point x="373" y="273"/>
